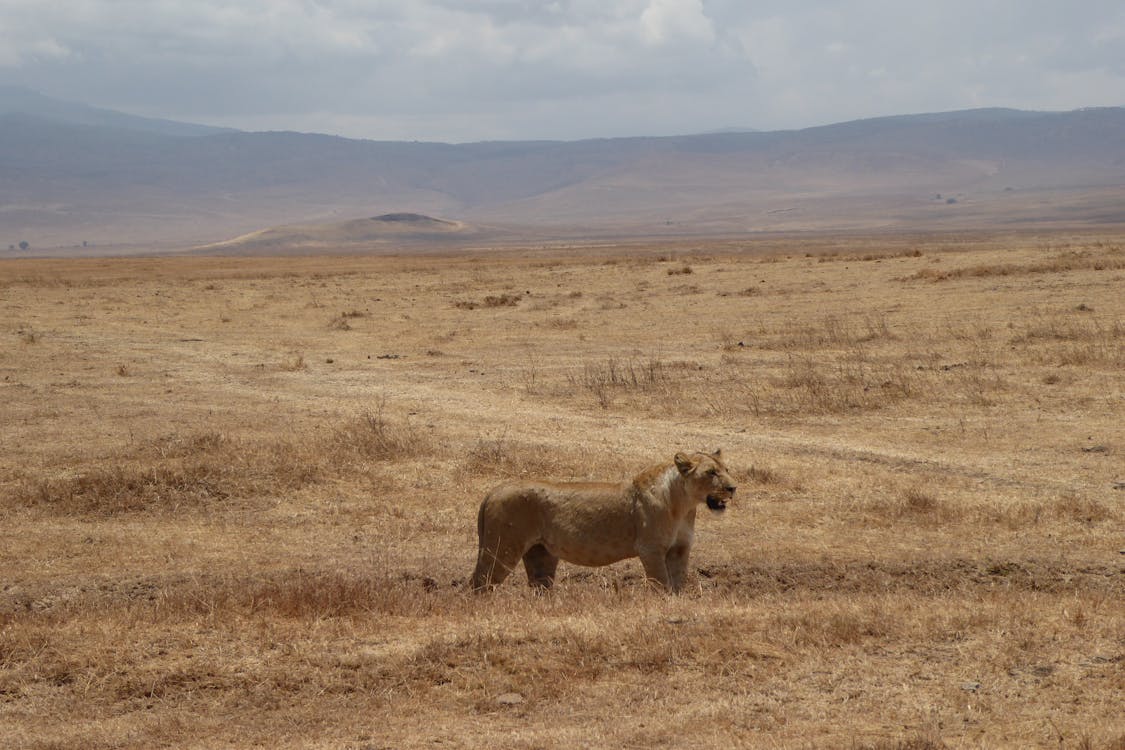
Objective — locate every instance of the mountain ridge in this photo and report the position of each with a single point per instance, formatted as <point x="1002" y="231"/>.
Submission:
<point x="20" y="100"/>
<point x="73" y="182"/>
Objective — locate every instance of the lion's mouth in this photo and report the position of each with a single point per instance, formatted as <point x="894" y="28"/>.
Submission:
<point x="716" y="504"/>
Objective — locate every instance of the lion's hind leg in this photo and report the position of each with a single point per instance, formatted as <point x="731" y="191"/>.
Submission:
<point x="493" y="566"/>
<point x="497" y="556"/>
<point x="541" y="566"/>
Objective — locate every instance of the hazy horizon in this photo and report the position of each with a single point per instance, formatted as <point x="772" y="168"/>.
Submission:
<point x="442" y="70"/>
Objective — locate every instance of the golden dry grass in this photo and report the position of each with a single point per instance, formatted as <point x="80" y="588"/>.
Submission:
<point x="239" y="496"/>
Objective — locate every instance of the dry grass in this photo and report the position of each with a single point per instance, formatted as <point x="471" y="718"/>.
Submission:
<point x="1098" y="257"/>
<point x="235" y="519"/>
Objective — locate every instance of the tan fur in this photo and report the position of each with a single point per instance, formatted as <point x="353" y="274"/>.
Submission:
<point x="651" y="517"/>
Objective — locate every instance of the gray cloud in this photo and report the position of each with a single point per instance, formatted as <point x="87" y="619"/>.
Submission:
<point x="442" y="69"/>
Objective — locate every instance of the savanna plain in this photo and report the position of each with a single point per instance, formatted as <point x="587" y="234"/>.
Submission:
<point x="238" y="496"/>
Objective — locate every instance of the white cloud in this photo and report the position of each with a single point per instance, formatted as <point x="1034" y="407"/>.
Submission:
<point x="20" y="52"/>
<point x="669" y="19"/>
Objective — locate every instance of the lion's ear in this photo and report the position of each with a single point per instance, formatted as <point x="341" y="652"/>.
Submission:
<point x="684" y="463"/>
<point x="718" y="453"/>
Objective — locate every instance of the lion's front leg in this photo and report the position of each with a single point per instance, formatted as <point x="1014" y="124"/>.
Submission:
<point x="677" y="562"/>
<point x="655" y="564"/>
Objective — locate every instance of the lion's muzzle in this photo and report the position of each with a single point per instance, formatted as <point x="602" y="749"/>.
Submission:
<point x="718" y="503"/>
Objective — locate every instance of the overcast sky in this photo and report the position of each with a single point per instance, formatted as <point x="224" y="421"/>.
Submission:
<point x="455" y="70"/>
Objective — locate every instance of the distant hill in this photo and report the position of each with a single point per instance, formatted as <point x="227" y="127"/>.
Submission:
<point x="343" y="236"/>
<point x="69" y="181"/>
<point x="22" y="101"/>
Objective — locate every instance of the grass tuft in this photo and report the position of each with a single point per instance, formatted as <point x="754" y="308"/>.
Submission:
<point x="373" y="437"/>
<point x="125" y="489"/>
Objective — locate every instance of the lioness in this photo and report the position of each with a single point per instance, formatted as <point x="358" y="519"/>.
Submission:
<point x="651" y="517"/>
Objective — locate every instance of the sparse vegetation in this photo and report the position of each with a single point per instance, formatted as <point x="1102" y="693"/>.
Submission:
<point x="502" y="300"/>
<point x="226" y="524"/>
<point x="1103" y="258"/>
<point x="602" y="380"/>
<point x="491" y="300"/>
<point x="296" y="363"/>
<point x="342" y="322"/>
<point x="373" y="437"/>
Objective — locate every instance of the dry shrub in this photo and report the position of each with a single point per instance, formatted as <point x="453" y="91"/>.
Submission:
<point x="502" y="300"/>
<point x="502" y="661"/>
<point x="302" y="642"/>
<point x="841" y="332"/>
<point x="123" y="489"/>
<point x="342" y="322"/>
<point x="1081" y="509"/>
<point x="575" y="651"/>
<point x="215" y="477"/>
<point x="977" y="384"/>
<point x="603" y="380"/>
<point x="1013" y="515"/>
<point x="681" y="271"/>
<point x="501" y="457"/>
<point x="916" y="501"/>
<point x="1069" y="507"/>
<point x="760" y="475"/>
<point x="913" y="504"/>
<point x="1091" y="354"/>
<point x="193" y="444"/>
<point x="912" y="743"/>
<point x="1066" y="508"/>
<point x="299" y="640"/>
<point x="492" y="300"/>
<point x="847" y="626"/>
<point x="1075" y="341"/>
<point x="865" y="257"/>
<point x="304" y="595"/>
<point x="609" y="302"/>
<point x="212" y="470"/>
<point x="834" y="386"/>
<point x="1110" y="259"/>
<point x="372" y="437"/>
<point x="295" y="364"/>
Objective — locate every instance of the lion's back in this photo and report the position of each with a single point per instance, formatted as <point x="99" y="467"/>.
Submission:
<point x="588" y="523"/>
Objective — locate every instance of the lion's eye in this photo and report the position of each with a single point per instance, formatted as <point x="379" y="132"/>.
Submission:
<point x="710" y="473"/>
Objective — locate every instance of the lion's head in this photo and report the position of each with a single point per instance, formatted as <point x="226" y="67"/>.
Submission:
<point x="708" y="477"/>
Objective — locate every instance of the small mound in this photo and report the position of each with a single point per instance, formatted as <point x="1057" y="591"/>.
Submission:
<point x="408" y="218"/>
<point x="376" y="231"/>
